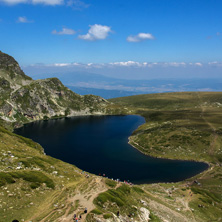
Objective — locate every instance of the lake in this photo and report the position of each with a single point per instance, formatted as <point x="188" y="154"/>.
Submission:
<point x="99" y="145"/>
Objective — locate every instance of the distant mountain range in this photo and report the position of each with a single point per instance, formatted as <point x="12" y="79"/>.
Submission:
<point x="89" y="83"/>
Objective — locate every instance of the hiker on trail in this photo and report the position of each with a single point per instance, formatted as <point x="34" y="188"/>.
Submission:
<point x="85" y="211"/>
<point x="117" y="213"/>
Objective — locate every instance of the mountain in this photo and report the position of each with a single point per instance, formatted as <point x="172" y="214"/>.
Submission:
<point x="37" y="187"/>
<point x="107" y="87"/>
<point x="105" y="93"/>
<point x="23" y="99"/>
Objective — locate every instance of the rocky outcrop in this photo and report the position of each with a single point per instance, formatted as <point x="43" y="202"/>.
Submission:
<point x="145" y="214"/>
<point x="9" y="64"/>
<point x="24" y="100"/>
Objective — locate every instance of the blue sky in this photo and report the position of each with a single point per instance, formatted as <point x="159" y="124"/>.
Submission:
<point x="134" y="37"/>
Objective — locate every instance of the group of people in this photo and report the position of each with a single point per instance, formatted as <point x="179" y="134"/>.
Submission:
<point x="117" y="180"/>
<point x="76" y="219"/>
<point x="86" y="174"/>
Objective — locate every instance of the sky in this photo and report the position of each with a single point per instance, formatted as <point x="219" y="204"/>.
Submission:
<point x="138" y="39"/>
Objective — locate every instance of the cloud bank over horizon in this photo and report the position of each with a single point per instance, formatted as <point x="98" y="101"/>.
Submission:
<point x="134" y="64"/>
<point x="115" y="38"/>
<point x="133" y="69"/>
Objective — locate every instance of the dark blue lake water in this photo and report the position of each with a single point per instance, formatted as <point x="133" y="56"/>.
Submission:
<point x="99" y="144"/>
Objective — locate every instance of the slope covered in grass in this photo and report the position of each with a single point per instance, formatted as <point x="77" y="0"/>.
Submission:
<point x="28" y="178"/>
<point x="184" y="126"/>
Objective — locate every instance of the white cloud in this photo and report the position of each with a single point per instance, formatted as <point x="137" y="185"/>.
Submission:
<point x="61" y="64"/>
<point x="13" y="2"/>
<point x="96" y="32"/>
<point x="77" y="4"/>
<point x="133" y="64"/>
<point x="128" y="63"/>
<point x="140" y="37"/>
<point x="64" y="31"/>
<point x="145" y="36"/>
<point x="175" y="64"/>
<point x="198" y="64"/>
<point x="149" y="64"/>
<point x="64" y="64"/>
<point x="23" y="19"/>
<point x="48" y="2"/>
<point x="215" y="63"/>
<point x="34" y="2"/>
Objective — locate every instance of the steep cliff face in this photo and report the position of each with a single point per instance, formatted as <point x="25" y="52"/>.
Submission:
<point x="23" y="99"/>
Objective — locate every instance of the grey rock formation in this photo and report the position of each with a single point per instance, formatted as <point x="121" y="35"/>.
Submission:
<point x="23" y="99"/>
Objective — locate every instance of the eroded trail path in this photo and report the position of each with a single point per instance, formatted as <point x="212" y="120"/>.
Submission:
<point x="83" y="198"/>
<point x="168" y="211"/>
<point x="74" y="198"/>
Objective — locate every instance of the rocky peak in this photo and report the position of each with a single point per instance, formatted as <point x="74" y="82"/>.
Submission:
<point x="9" y="64"/>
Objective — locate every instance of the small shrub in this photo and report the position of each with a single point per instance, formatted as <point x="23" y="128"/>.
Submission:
<point x="5" y="178"/>
<point x="34" y="177"/>
<point x="107" y="216"/>
<point x="34" y="185"/>
<point x="138" y="190"/>
<point x="118" y="196"/>
<point x="96" y="211"/>
<point x="124" y="189"/>
<point x="110" y="183"/>
<point x="104" y="197"/>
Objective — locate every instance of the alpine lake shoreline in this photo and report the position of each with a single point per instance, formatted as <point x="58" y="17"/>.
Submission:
<point x="130" y="142"/>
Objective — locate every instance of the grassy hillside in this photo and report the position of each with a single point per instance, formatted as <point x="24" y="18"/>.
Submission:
<point x="29" y="179"/>
<point x="184" y="126"/>
<point x="178" y="125"/>
<point x="172" y="101"/>
<point x="36" y="187"/>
